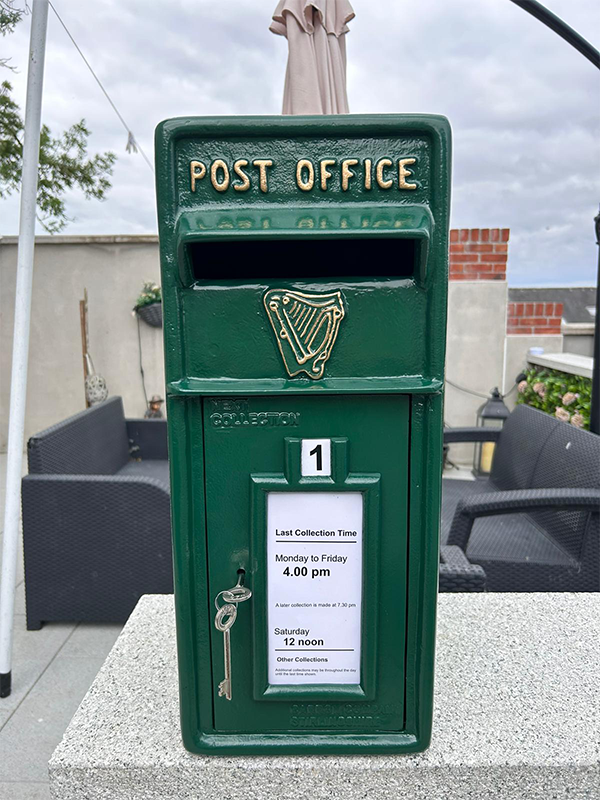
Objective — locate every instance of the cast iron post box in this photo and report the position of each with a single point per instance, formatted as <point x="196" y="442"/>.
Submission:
<point x="304" y="274"/>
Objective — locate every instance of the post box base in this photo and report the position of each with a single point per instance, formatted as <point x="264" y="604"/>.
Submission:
<point x="516" y="716"/>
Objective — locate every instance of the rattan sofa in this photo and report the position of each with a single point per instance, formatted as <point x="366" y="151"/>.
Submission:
<point x="96" y="517"/>
<point x="534" y="524"/>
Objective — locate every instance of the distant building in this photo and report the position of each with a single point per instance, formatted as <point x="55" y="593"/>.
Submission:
<point x="578" y="312"/>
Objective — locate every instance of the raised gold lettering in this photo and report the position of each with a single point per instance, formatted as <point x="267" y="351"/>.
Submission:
<point x="325" y="174"/>
<point x="368" y="174"/>
<point x="347" y="173"/>
<point x="305" y="185"/>
<point x="219" y="164"/>
<point x="197" y="172"/>
<point x="237" y="168"/>
<point x="381" y="164"/>
<point x="262" y="164"/>
<point x="404" y="173"/>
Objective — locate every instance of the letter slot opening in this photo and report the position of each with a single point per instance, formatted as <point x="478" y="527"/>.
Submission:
<point x="345" y="257"/>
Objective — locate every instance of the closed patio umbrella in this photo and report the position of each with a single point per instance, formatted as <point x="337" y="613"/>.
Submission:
<point x="315" y="80"/>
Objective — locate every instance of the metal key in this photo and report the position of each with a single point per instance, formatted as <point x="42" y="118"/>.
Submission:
<point x="223" y="621"/>
<point x="226" y="616"/>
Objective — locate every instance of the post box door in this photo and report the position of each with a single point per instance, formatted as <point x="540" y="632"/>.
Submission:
<point x="309" y="495"/>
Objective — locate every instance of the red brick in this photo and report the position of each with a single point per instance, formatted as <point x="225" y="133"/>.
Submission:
<point x="474" y="234"/>
<point x="455" y="277"/>
<point x="455" y="268"/>
<point x="510" y="309"/>
<point x="457" y="248"/>
<point x="454" y="235"/>
<point x="533" y="321"/>
<point x="505" y="234"/>
<point x="472" y="268"/>
<point x="471" y="257"/>
<point x="558" y="309"/>
<point x="520" y="331"/>
<point x="519" y="310"/>
<point x="547" y="331"/>
<point x="512" y="321"/>
<point x="493" y="276"/>
<point x="500" y="248"/>
<point x="495" y="234"/>
<point x="539" y="309"/>
<point x="492" y="257"/>
<point x="528" y="309"/>
<point x="485" y="234"/>
<point x="464" y="235"/>
<point x="549" y="309"/>
<point x="479" y="248"/>
<point x="499" y="267"/>
<point x="554" y="321"/>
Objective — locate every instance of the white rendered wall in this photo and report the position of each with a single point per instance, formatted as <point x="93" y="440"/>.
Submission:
<point x="113" y="270"/>
<point x="474" y="351"/>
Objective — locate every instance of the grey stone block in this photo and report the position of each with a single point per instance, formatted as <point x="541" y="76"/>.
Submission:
<point x="517" y="716"/>
<point x="31" y="734"/>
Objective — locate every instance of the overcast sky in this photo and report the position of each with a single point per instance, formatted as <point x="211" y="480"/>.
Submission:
<point x="524" y="106"/>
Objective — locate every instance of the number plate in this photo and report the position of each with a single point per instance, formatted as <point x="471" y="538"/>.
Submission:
<point x="314" y="586"/>
<point x="316" y="457"/>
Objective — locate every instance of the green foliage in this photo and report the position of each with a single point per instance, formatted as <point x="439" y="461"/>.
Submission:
<point x="9" y="16"/>
<point x="567" y="397"/>
<point x="150" y="294"/>
<point x="64" y="161"/>
<point x="64" y="164"/>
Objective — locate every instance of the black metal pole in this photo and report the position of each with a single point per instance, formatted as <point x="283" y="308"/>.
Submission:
<point x="595" y="409"/>
<point x="556" y="24"/>
<point x="577" y="41"/>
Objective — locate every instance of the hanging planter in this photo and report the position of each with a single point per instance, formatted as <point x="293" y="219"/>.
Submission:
<point x="151" y="314"/>
<point x="149" y="305"/>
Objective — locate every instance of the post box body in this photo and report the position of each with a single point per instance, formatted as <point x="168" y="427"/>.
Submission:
<point x="304" y="276"/>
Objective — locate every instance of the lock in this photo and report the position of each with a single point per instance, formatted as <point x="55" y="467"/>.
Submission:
<point x="304" y="277"/>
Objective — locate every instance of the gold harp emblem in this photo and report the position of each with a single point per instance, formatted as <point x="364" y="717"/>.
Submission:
<point x="306" y="327"/>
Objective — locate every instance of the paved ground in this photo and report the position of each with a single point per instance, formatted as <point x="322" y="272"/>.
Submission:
<point x="52" y="670"/>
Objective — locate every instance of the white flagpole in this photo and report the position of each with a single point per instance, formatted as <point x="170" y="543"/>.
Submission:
<point x="18" y="386"/>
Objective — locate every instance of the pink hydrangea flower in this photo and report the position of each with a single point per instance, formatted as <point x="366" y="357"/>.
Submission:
<point x="539" y="388"/>
<point x="577" y="420"/>
<point x="522" y="386"/>
<point x="562" y="413"/>
<point x="569" y="398"/>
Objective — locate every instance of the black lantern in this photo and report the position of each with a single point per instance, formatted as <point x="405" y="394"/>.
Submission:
<point x="491" y="414"/>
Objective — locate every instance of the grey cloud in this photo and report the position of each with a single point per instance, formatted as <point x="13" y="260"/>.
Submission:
<point x="523" y="105"/>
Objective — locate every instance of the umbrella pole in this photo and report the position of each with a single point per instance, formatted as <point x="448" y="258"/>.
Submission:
<point x="595" y="409"/>
<point x="18" y="386"/>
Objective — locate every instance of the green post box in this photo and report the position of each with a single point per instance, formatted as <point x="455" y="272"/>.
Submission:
<point x="304" y="273"/>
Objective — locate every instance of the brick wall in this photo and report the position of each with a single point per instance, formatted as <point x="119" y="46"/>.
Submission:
<point x="526" y="319"/>
<point x="478" y="254"/>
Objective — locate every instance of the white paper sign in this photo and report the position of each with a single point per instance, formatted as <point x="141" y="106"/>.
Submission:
<point x="314" y="592"/>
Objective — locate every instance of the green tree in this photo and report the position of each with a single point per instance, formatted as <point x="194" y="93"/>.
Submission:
<point x="64" y="160"/>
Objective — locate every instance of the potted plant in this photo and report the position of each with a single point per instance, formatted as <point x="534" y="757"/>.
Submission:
<point x="149" y="305"/>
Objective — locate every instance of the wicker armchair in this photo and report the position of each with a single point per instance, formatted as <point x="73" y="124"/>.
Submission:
<point x="96" y="522"/>
<point x="534" y="524"/>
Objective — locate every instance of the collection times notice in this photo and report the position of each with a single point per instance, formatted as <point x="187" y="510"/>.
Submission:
<point x="314" y="586"/>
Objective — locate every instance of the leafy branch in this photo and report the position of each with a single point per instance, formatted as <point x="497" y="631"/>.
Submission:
<point x="64" y="164"/>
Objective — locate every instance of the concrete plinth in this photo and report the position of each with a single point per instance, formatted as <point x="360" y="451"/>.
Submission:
<point x="517" y="718"/>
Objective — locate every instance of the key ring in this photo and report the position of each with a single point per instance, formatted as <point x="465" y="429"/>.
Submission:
<point x="237" y="594"/>
<point x="225" y="617"/>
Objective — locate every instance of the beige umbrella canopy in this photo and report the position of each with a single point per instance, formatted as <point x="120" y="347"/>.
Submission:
<point x="315" y="80"/>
